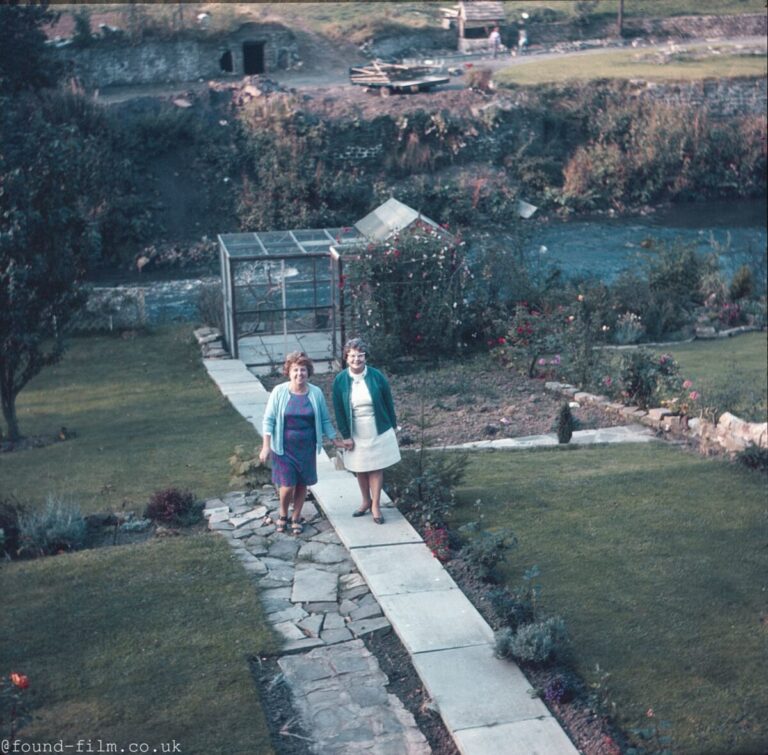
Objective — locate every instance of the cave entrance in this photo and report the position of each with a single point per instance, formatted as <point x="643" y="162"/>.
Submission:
<point x="253" y="57"/>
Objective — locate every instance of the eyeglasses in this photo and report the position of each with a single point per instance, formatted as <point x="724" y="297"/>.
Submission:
<point x="355" y="355"/>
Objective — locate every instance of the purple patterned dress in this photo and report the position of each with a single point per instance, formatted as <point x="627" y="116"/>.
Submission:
<point x="298" y="463"/>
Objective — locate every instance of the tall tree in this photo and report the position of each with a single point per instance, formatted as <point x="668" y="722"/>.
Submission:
<point x="25" y="60"/>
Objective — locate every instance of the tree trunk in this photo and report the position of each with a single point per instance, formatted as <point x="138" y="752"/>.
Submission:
<point x="620" y="20"/>
<point x="9" y="412"/>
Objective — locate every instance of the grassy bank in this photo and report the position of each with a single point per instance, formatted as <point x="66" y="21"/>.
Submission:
<point x="145" y="643"/>
<point x="629" y="64"/>
<point x="731" y="371"/>
<point x="656" y="560"/>
<point x="145" y="414"/>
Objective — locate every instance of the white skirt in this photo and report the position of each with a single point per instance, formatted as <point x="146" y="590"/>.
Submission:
<point x="372" y="451"/>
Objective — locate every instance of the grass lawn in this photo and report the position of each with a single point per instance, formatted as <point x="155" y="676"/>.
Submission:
<point x="146" y="414"/>
<point x="143" y="643"/>
<point x="657" y="560"/>
<point x="728" y="372"/>
<point x="627" y="64"/>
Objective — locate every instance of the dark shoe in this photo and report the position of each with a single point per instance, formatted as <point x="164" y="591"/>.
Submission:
<point x="378" y="519"/>
<point x="297" y="527"/>
<point x="282" y="523"/>
<point x="361" y="512"/>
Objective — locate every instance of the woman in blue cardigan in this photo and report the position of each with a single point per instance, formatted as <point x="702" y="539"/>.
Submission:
<point x="295" y="420"/>
<point x="365" y="415"/>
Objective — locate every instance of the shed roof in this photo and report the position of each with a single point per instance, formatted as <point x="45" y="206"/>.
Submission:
<point x="390" y="218"/>
<point x="385" y="221"/>
<point x="481" y="11"/>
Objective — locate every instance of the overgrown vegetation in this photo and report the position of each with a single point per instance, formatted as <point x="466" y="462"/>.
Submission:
<point x="57" y="527"/>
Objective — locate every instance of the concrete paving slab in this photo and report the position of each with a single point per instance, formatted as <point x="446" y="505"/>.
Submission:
<point x="497" y="688"/>
<point x="223" y="366"/>
<point x="532" y="737"/>
<point x="235" y="377"/>
<point x="436" y="620"/>
<point x="396" y="569"/>
<point x="338" y="495"/>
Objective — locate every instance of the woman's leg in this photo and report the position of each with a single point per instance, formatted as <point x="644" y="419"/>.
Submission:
<point x="365" y="489"/>
<point x="375" y="484"/>
<point x="286" y="496"/>
<point x="299" y="494"/>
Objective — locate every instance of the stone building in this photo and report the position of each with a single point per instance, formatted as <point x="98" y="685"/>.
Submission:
<point x="115" y="60"/>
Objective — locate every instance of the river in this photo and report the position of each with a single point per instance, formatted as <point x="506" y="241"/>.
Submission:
<point x="603" y="246"/>
<point x="585" y="246"/>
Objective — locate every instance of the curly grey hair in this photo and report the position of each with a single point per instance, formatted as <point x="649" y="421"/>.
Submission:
<point x="354" y="344"/>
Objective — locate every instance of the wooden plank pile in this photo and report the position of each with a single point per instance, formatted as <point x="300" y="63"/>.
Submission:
<point x="378" y="74"/>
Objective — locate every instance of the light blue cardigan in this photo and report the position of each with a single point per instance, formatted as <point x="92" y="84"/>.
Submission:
<point x="274" y="416"/>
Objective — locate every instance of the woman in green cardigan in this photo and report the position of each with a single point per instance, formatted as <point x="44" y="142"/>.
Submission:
<point x="365" y="416"/>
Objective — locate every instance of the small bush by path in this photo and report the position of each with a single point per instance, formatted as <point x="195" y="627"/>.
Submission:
<point x="146" y="643"/>
<point x="655" y="559"/>
<point x="145" y="415"/>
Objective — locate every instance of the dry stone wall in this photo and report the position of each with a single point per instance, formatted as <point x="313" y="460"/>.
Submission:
<point x="115" y="61"/>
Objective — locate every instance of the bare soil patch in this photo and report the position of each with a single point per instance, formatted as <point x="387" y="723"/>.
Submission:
<point x="471" y="400"/>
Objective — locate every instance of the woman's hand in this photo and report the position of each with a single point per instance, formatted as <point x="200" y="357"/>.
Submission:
<point x="264" y="454"/>
<point x="348" y="444"/>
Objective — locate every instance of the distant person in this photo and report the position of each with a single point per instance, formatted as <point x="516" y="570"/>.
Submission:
<point x="295" y="420"/>
<point x="365" y="415"/>
<point x="522" y="40"/>
<point x="494" y="41"/>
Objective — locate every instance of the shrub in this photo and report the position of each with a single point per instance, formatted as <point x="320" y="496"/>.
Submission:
<point x="559" y="690"/>
<point x="642" y="375"/>
<point x="484" y="550"/>
<point x="437" y="540"/>
<point x="534" y="332"/>
<point x="423" y="483"/>
<point x="210" y="306"/>
<point x="58" y="526"/>
<point x="409" y="295"/>
<point x="730" y="315"/>
<point x="480" y="79"/>
<point x="10" y="513"/>
<point x="512" y="609"/>
<point x="174" y="506"/>
<point x="246" y="469"/>
<point x="753" y="457"/>
<point x="534" y="643"/>
<point x="742" y="284"/>
<point x="565" y="423"/>
<point x="629" y="329"/>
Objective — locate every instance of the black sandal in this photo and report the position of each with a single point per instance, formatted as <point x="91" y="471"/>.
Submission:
<point x="282" y="523"/>
<point x="297" y="527"/>
<point x="361" y="512"/>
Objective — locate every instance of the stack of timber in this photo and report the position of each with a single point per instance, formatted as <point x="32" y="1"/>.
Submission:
<point x="395" y="76"/>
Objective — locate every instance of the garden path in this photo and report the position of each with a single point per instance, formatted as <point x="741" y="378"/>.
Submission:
<point x="483" y="701"/>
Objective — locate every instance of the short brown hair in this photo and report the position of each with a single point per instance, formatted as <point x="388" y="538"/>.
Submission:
<point x="300" y="358"/>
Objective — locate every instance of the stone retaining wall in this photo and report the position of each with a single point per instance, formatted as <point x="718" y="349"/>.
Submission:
<point x="729" y="434"/>
<point x="116" y="61"/>
<point x="681" y="27"/>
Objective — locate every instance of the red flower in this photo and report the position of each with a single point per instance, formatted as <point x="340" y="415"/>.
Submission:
<point x="20" y="680"/>
<point x="501" y="340"/>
